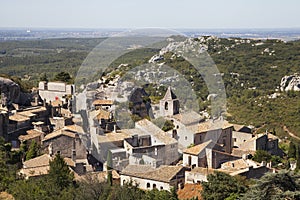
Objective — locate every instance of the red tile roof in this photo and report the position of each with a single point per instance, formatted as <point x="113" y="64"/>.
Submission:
<point x="189" y="191"/>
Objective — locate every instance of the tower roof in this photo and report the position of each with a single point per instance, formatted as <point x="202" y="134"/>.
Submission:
<point x="169" y="95"/>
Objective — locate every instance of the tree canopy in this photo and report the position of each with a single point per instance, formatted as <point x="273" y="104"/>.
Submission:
<point x="282" y="185"/>
<point x="221" y="186"/>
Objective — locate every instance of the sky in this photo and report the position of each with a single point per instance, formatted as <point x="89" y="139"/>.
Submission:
<point x="194" y="14"/>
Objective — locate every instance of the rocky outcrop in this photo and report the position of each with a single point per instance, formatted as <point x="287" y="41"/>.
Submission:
<point x="181" y="47"/>
<point x="290" y="83"/>
<point x="10" y="91"/>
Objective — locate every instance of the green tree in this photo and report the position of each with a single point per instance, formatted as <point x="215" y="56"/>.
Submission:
<point x="221" y="186"/>
<point x="282" y="185"/>
<point x="43" y="77"/>
<point x="292" y="152"/>
<point x="261" y="155"/>
<point x="60" y="173"/>
<point x="168" y="125"/>
<point x="32" y="150"/>
<point x="63" y="76"/>
<point x="7" y="170"/>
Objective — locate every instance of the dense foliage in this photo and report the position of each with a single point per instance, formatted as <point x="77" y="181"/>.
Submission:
<point x="282" y="185"/>
<point x="221" y="186"/>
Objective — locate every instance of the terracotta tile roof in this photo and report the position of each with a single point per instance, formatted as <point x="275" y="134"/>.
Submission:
<point x="188" y="118"/>
<point x="70" y="162"/>
<point x="30" y="135"/>
<point x="210" y="125"/>
<point x="102" y="114"/>
<point x="189" y="191"/>
<point x="102" y="102"/>
<point x="112" y="137"/>
<point x="39" y="109"/>
<point x="196" y="150"/>
<point x="59" y="133"/>
<point x="40" y="165"/>
<point x="36" y="171"/>
<point x="147" y="127"/>
<point x="202" y="170"/>
<point x="164" y="173"/>
<point x="39" y="161"/>
<point x="235" y="165"/>
<point x="18" y="118"/>
<point x="27" y="113"/>
<point x="75" y="128"/>
<point x="99" y="176"/>
<point x="237" y="127"/>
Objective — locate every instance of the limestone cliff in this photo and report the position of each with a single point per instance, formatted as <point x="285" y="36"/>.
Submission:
<point x="11" y="93"/>
<point x="291" y="82"/>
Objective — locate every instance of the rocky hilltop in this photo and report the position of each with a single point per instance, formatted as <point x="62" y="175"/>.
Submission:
<point x="11" y="93"/>
<point x="290" y="83"/>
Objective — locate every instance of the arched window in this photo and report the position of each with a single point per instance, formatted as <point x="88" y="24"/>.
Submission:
<point x="148" y="185"/>
<point x="161" y="187"/>
<point x="166" y="106"/>
<point x="154" y="186"/>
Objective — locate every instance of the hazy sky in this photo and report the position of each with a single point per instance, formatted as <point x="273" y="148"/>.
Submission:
<point x="150" y="13"/>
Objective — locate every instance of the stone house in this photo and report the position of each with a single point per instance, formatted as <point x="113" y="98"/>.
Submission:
<point x="148" y="178"/>
<point x="102" y="142"/>
<point x="66" y="143"/>
<point x="265" y="141"/>
<point x="39" y="166"/>
<point x="207" y="154"/>
<point x="104" y="119"/>
<point x="199" y="174"/>
<point x="218" y="131"/>
<point x="105" y="104"/>
<point x="149" y="140"/>
<point x="240" y="134"/>
<point x="247" y="168"/>
<point x="32" y="135"/>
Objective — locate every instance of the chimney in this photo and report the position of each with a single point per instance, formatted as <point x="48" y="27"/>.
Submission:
<point x="50" y="149"/>
<point x="73" y="155"/>
<point x="115" y="128"/>
<point x="44" y="103"/>
<point x="36" y="100"/>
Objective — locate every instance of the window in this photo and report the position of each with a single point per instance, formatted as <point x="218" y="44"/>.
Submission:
<point x="154" y="186"/>
<point x="166" y="106"/>
<point x="148" y="185"/>
<point x="189" y="160"/>
<point x="185" y="137"/>
<point x="161" y="187"/>
<point x="234" y="139"/>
